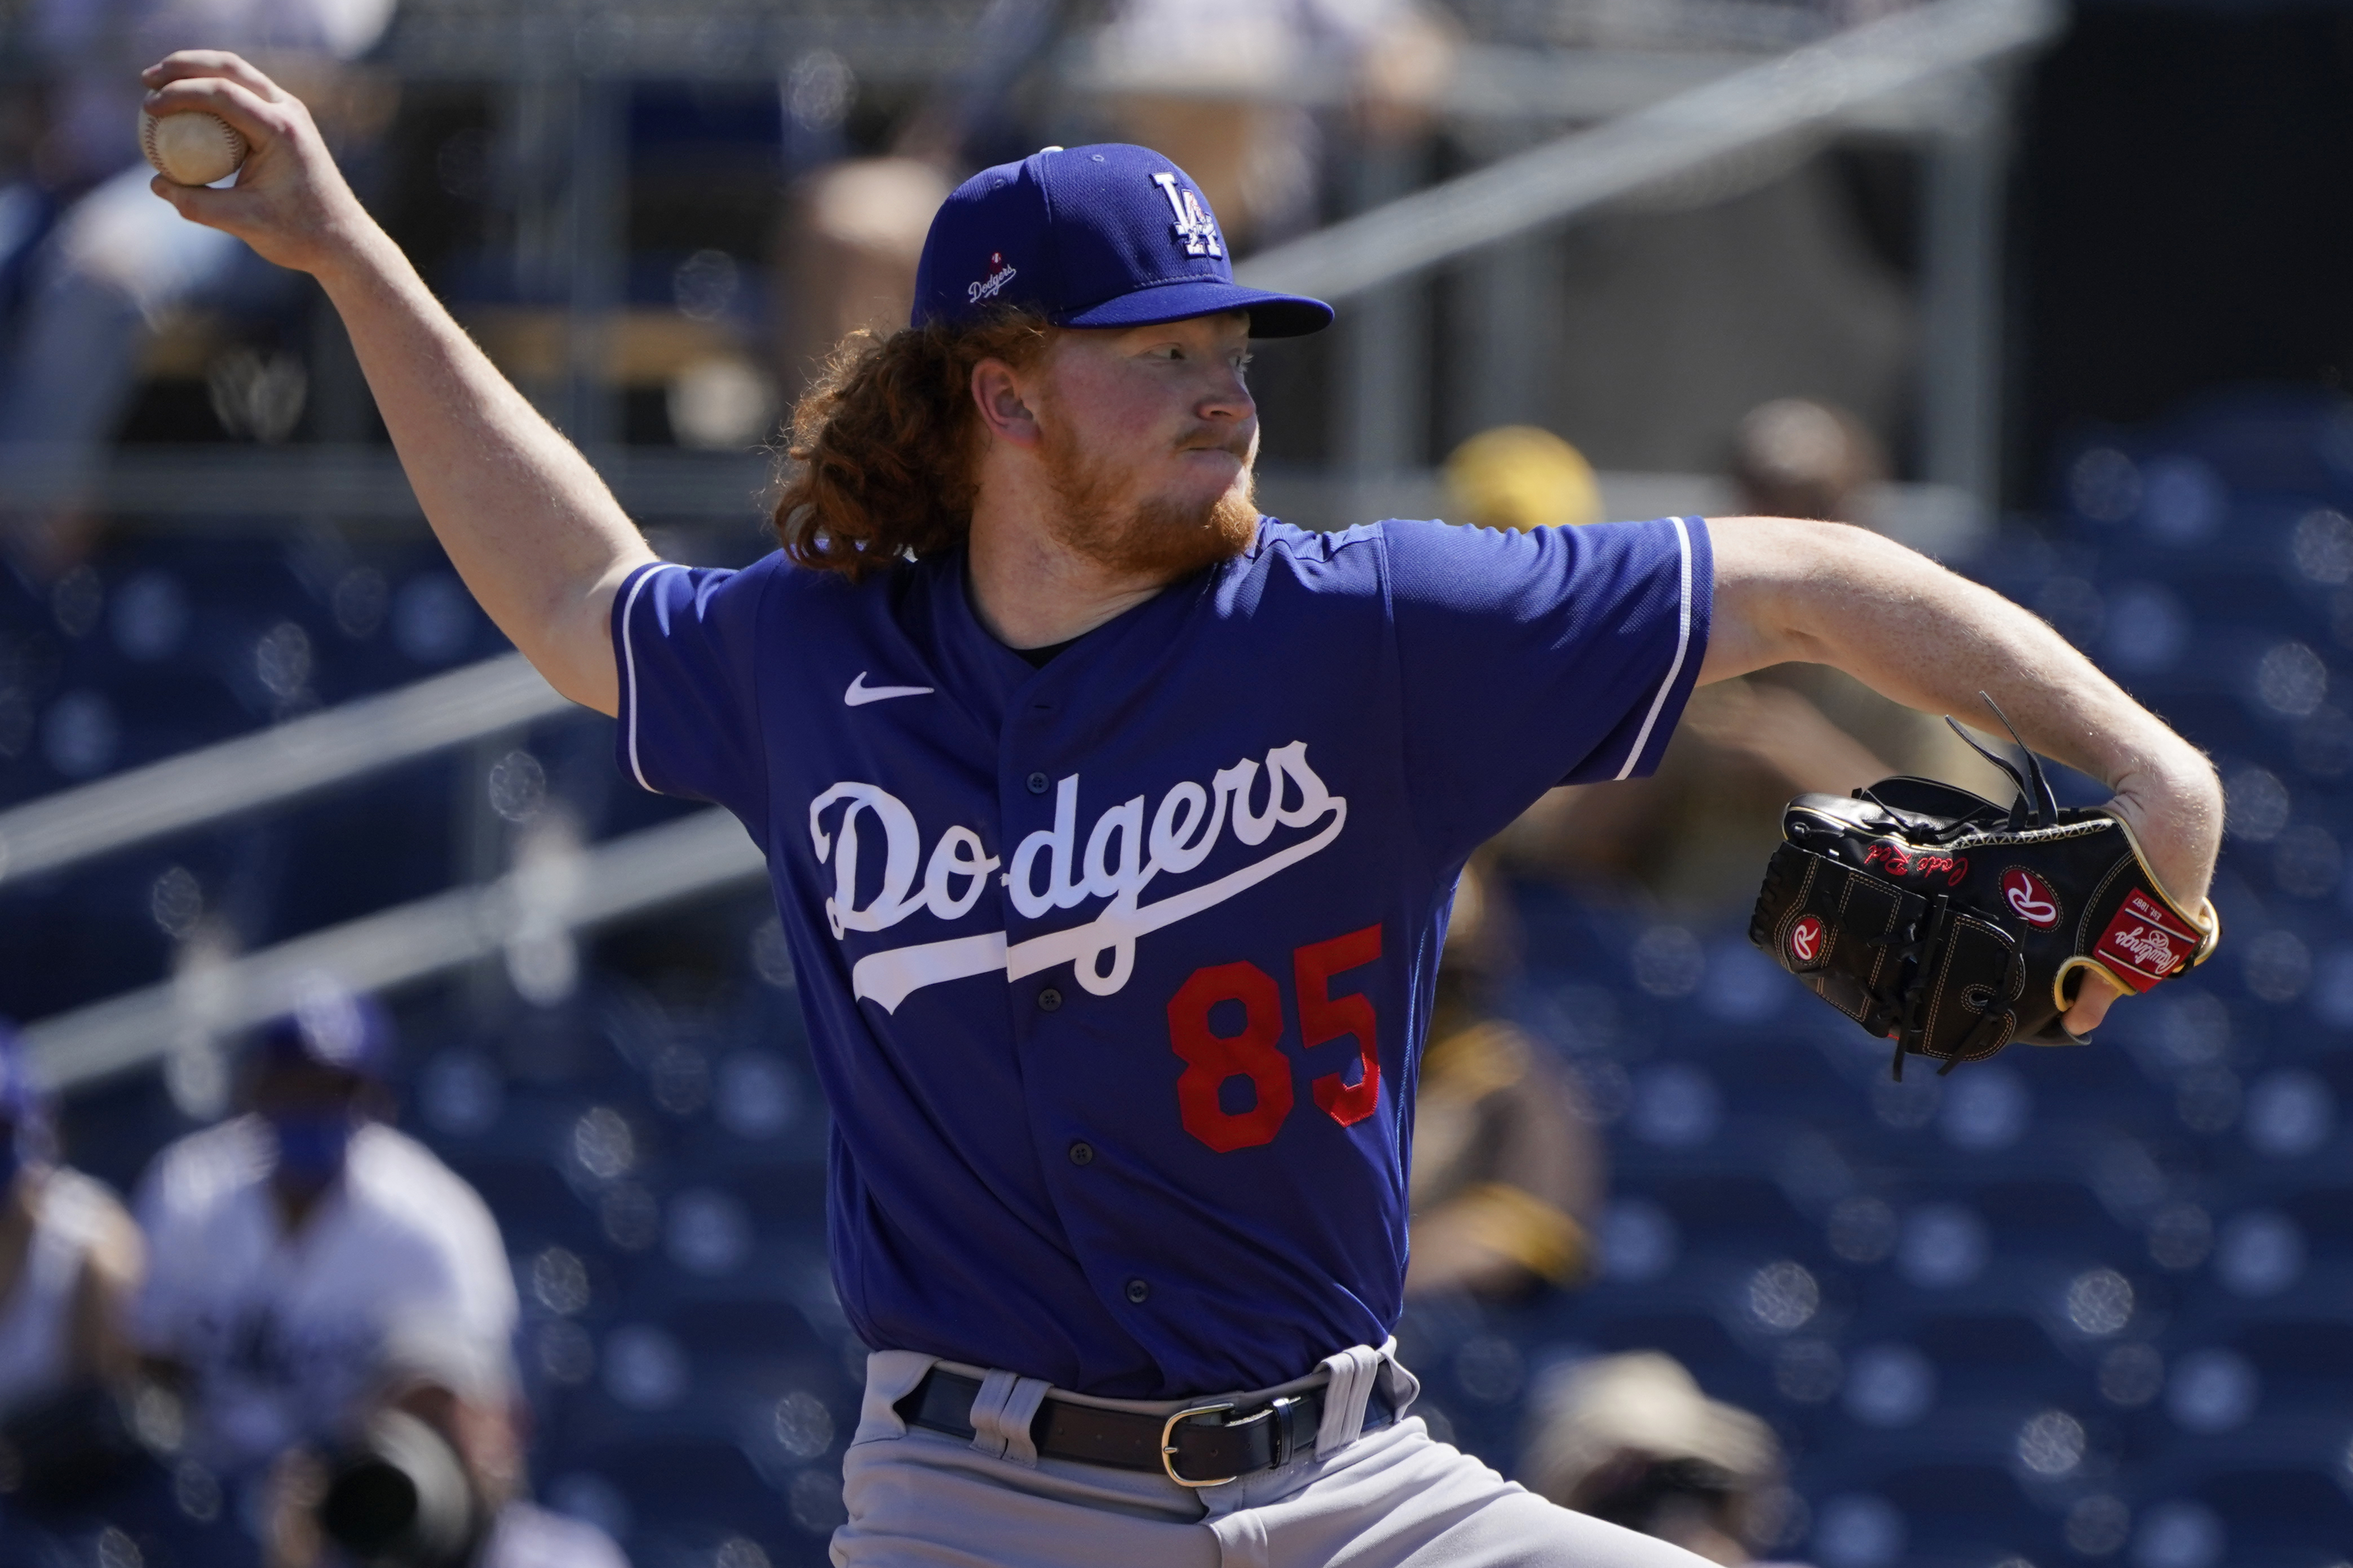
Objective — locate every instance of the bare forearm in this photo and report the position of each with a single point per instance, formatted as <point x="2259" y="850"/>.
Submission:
<point x="1911" y="630"/>
<point x="534" y="531"/>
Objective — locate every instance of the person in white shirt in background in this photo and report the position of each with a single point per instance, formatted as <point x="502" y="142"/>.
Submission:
<point x="287" y="1246"/>
<point x="70" y="1260"/>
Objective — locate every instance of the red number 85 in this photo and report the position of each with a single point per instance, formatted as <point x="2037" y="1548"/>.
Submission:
<point x="1212" y="1059"/>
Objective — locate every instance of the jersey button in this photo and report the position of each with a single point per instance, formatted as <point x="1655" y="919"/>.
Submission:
<point x="1049" y="1000"/>
<point x="1038" y="782"/>
<point x="1082" y="1154"/>
<point x="1137" y="1290"/>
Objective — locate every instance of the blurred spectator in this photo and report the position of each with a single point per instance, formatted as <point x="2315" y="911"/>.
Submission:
<point x="846" y="248"/>
<point x="434" y="1476"/>
<point x="118" y="259"/>
<point x="847" y="253"/>
<point x="1507" y="1175"/>
<point x="852" y="230"/>
<point x="1632" y="1439"/>
<point x="288" y="1242"/>
<point x="1695" y="835"/>
<point x="70" y="1259"/>
<point x="1796" y="458"/>
<point x="1516" y="476"/>
<point x="1214" y="85"/>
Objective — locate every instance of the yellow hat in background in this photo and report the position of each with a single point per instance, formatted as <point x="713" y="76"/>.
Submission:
<point x="1516" y="476"/>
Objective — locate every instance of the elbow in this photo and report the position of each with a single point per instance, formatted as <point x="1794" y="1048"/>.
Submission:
<point x="578" y="669"/>
<point x="1783" y="586"/>
<point x="573" y="650"/>
<point x="589" y="689"/>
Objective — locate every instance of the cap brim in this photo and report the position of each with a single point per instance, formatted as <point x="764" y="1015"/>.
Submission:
<point x="1271" y="315"/>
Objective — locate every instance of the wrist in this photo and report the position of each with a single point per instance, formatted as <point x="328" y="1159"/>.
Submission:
<point x="2174" y="806"/>
<point x="352" y="248"/>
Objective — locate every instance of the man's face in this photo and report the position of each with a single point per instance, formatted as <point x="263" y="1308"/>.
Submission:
<point x="314" y="1110"/>
<point x="1149" y="437"/>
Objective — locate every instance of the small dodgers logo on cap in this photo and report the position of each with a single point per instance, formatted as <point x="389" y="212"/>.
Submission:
<point x="1000" y="275"/>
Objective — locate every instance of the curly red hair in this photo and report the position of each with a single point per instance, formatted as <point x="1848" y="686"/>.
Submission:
<point x="880" y="466"/>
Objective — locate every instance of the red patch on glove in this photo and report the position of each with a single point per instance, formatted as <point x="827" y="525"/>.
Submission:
<point x="2145" y="942"/>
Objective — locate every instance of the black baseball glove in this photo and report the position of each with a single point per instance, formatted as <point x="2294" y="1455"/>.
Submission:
<point x="1938" y="920"/>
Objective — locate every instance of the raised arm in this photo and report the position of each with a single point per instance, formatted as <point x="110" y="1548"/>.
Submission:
<point x="1824" y="593"/>
<point x="536" y="535"/>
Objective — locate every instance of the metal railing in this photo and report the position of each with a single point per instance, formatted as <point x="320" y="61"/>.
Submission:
<point x="1674" y="136"/>
<point x="548" y="898"/>
<point x="316" y="752"/>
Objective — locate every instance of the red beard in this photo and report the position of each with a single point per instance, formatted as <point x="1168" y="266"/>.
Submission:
<point x="1158" y="538"/>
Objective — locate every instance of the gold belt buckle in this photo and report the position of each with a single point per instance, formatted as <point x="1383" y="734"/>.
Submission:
<point x="1168" y="1445"/>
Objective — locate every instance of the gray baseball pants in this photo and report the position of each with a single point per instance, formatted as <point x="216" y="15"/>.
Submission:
<point x="1386" y="1498"/>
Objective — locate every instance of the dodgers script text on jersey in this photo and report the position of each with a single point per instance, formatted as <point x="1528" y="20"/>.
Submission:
<point x="1117" y="970"/>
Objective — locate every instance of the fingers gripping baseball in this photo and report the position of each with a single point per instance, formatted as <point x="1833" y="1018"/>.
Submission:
<point x="196" y="63"/>
<point x="290" y="201"/>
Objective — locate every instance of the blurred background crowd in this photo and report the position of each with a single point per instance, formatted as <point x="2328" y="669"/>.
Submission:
<point x="408" y="1144"/>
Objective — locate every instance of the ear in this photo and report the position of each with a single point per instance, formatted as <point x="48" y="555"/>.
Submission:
<point x="1003" y="409"/>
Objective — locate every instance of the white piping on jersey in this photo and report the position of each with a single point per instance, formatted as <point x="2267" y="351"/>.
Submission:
<point x="888" y="977"/>
<point x="1682" y="646"/>
<point x="629" y="662"/>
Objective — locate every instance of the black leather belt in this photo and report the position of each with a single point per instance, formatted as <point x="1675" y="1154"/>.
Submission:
<point x="1200" y="1446"/>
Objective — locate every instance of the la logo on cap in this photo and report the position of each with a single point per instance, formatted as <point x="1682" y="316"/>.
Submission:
<point x="1195" y="228"/>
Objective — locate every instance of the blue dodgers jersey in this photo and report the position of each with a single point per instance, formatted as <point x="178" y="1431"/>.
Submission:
<point x="1116" y="972"/>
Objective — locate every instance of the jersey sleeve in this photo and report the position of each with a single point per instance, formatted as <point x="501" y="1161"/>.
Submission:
<point x="685" y="641"/>
<point x="1530" y="659"/>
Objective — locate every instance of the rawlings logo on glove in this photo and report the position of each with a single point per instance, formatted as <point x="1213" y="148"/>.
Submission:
<point x="1936" y="919"/>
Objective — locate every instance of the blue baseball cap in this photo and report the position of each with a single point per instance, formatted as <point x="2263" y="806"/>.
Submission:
<point x="1108" y="235"/>
<point x="331" y="1028"/>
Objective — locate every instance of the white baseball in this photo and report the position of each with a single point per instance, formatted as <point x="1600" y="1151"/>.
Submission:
<point x="191" y="148"/>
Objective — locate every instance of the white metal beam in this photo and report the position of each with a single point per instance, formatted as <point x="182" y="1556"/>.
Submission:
<point x="627" y="875"/>
<point x="1804" y="89"/>
<point x="276" y="764"/>
<point x="199" y="488"/>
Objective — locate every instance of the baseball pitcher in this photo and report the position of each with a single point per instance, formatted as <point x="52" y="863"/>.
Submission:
<point x="1114" y="826"/>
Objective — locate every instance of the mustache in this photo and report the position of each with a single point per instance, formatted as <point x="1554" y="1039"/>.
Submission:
<point x="1237" y="443"/>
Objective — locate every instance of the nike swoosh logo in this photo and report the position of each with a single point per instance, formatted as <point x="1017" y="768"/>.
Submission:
<point x="860" y="694"/>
